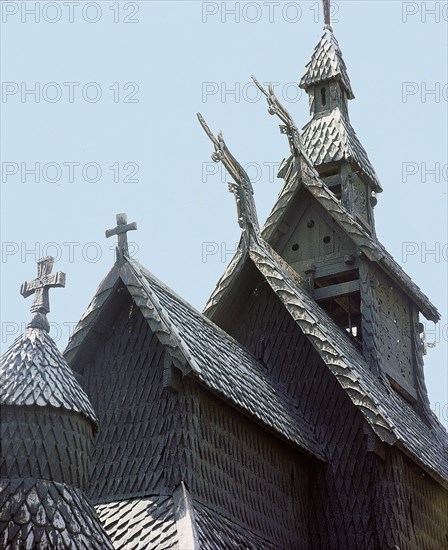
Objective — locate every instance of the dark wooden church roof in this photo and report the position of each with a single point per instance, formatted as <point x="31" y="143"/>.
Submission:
<point x="392" y="419"/>
<point x="331" y="138"/>
<point x="138" y="339"/>
<point x="327" y="63"/>
<point x="151" y="523"/>
<point x="309" y="179"/>
<point x="33" y="372"/>
<point x="47" y="427"/>
<point x="37" y="513"/>
<point x="203" y="350"/>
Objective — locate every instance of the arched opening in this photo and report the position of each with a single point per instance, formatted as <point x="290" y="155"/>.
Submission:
<point x="323" y="95"/>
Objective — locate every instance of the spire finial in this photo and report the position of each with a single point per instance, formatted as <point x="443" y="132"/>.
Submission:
<point x="121" y="231"/>
<point x="242" y="188"/>
<point x="327" y="15"/>
<point x="40" y="287"/>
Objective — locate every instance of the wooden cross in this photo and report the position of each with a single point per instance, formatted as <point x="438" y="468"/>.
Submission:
<point x="327" y="14"/>
<point x="40" y="286"/>
<point x="121" y="231"/>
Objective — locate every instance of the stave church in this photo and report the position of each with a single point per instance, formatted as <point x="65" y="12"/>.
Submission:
<point x="292" y="413"/>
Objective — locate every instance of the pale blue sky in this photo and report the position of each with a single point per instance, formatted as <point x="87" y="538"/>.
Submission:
<point x="169" y="54"/>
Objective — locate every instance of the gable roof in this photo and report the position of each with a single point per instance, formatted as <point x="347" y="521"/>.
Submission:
<point x="391" y="418"/>
<point x="201" y="350"/>
<point x="330" y="138"/>
<point x="308" y="179"/>
<point x="326" y="64"/>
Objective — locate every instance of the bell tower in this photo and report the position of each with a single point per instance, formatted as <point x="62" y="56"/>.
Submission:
<point x="323" y="226"/>
<point x="329" y="139"/>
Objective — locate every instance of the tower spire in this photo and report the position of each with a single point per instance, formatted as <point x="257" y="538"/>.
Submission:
<point x="329" y="138"/>
<point x="327" y="14"/>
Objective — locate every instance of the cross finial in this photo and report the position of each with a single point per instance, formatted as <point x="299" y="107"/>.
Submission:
<point x="40" y="287"/>
<point x="327" y="15"/>
<point x="121" y="231"/>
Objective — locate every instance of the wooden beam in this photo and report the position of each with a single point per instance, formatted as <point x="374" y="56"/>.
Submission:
<point x="333" y="291"/>
<point x="336" y="266"/>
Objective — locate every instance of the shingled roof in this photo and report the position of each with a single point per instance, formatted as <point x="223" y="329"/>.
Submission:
<point x="33" y="372"/>
<point x="143" y="522"/>
<point x="36" y="513"/>
<point x="391" y="418"/>
<point x="308" y="179"/>
<point x="47" y="429"/>
<point x="331" y="138"/>
<point x="327" y="63"/>
<point x="161" y="522"/>
<point x="201" y="350"/>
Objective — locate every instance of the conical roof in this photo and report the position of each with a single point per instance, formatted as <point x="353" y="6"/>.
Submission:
<point x="327" y="64"/>
<point x="44" y="457"/>
<point x="34" y="372"/>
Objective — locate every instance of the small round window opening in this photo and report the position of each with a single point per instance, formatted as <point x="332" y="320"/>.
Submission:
<point x="295" y="247"/>
<point x="327" y="239"/>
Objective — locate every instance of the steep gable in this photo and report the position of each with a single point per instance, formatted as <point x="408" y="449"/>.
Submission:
<point x="392" y="419"/>
<point x="198" y="348"/>
<point x="278" y="221"/>
<point x="207" y="423"/>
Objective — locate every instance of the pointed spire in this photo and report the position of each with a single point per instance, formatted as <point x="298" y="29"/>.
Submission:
<point x="43" y="404"/>
<point x="326" y="64"/>
<point x="329" y="138"/>
<point x="121" y="230"/>
<point x="40" y="287"/>
<point x="242" y="188"/>
<point x="327" y="15"/>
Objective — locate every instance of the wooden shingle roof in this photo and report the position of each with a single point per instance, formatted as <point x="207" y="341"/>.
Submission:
<point x="326" y="64"/>
<point x="34" y="372"/>
<point x="331" y="138"/>
<point x="203" y="351"/>
<point x="392" y="419"/>
<point x="44" y="514"/>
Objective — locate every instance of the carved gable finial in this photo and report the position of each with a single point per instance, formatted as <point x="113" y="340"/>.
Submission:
<point x="288" y="127"/>
<point x="242" y="188"/>
<point x="40" y="287"/>
<point x="121" y="230"/>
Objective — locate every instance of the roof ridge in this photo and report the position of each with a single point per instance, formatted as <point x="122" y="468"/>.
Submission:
<point x="198" y="313"/>
<point x="163" y="314"/>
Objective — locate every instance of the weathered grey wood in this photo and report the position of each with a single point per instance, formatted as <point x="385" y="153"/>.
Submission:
<point x="185" y="522"/>
<point x="333" y="291"/>
<point x="242" y="188"/>
<point x="40" y="287"/>
<point x="121" y="230"/>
